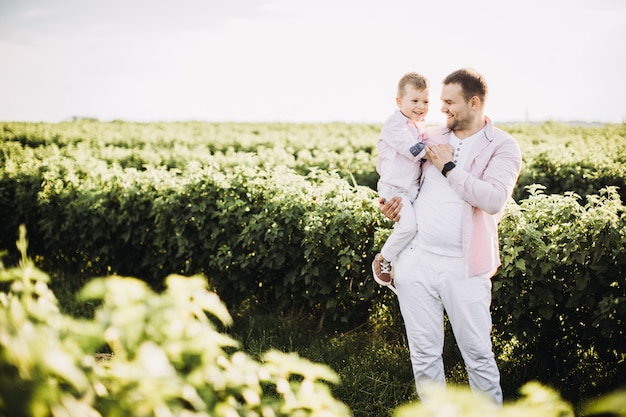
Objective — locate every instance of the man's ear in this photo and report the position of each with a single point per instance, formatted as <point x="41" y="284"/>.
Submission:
<point x="475" y="102"/>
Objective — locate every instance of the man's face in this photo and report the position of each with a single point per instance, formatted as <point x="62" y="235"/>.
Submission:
<point x="414" y="103"/>
<point x="454" y="106"/>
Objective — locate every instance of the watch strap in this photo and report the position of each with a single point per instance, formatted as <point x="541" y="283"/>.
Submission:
<point x="447" y="167"/>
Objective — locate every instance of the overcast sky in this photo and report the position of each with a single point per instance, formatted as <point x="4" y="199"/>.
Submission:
<point x="306" y="61"/>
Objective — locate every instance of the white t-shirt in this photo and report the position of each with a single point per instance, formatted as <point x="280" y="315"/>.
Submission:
<point x="438" y="212"/>
<point x="439" y="209"/>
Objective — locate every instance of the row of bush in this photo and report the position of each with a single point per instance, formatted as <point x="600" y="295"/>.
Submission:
<point x="289" y="243"/>
<point x="560" y="157"/>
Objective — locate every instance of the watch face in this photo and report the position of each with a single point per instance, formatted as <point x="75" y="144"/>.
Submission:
<point x="447" y="167"/>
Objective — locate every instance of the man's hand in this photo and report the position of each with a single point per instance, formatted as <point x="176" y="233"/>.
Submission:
<point x="391" y="208"/>
<point x="440" y="154"/>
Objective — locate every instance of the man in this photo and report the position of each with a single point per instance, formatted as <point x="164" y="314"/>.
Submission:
<point x="470" y="174"/>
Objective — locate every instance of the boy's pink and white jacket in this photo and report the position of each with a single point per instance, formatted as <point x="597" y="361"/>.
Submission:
<point x="396" y="164"/>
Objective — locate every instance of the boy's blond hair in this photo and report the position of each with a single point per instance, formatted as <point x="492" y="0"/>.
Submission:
<point x="413" y="79"/>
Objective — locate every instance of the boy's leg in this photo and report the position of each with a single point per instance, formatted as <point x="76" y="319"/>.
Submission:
<point x="381" y="268"/>
<point x="403" y="230"/>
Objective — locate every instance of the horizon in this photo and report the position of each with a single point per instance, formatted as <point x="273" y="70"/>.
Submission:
<point x="78" y="119"/>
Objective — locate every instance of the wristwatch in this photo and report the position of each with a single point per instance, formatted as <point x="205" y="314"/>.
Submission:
<point x="447" y="167"/>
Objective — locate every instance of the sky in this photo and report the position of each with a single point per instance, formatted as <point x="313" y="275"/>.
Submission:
<point x="306" y="61"/>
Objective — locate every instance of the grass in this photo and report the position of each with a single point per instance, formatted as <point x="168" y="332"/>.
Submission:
<point x="375" y="375"/>
<point x="371" y="359"/>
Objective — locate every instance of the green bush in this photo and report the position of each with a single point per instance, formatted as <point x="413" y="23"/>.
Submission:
<point x="560" y="295"/>
<point x="570" y="158"/>
<point x="168" y="357"/>
<point x="287" y="241"/>
<point x="566" y="171"/>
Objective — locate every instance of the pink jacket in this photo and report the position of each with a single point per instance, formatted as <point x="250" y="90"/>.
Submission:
<point x="486" y="182"/>
<point x="396" y="165"/>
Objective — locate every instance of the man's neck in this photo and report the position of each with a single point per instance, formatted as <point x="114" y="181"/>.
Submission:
<point x="476" y="125"/>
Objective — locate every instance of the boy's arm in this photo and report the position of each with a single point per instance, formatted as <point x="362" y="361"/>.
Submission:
<point x="418" y="150"/>
<point x="400" y="138"/>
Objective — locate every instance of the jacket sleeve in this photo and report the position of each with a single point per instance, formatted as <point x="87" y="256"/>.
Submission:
<point x="399" y="137"/>
<point x="491" y="177"/>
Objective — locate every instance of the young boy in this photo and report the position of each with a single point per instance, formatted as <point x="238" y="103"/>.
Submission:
<point x="400" y="152"/>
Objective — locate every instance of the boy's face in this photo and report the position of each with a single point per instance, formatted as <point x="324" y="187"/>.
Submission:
<point x="414" y="103"/>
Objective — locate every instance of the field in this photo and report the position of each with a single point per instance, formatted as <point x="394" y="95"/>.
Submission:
<point x="282" y="221"/>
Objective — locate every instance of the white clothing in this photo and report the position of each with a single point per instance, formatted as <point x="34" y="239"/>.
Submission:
<point x="462" y="147"/>
<point x="440" y="217"/>
<point x="399" y="172"/>
<point x="431" y="276"/>
<point x="405" y="228"/>
<point x="427" y="283"/>
<point x="396" y="165"/>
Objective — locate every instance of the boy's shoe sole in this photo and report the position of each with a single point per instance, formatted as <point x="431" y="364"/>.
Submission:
<point x="378" y="280"/>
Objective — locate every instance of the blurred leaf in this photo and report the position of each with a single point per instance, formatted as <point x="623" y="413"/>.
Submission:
<point x="609" y="404"/>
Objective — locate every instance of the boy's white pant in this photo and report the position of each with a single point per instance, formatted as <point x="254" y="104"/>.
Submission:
<point x="428" y="283"/>
<point x="404" y="229"/>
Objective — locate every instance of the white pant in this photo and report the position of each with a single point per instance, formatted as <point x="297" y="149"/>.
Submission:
<point x="428" y="283"/>
<point x="404" y="229"/>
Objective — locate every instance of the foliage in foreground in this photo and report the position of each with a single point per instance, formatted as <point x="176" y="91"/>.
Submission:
<point x="536" y="400"/>
<point x="169" y="358"/>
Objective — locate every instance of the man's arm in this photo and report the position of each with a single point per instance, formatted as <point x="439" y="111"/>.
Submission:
<point x="490" y="191"/>
<point x="391" y="208"/>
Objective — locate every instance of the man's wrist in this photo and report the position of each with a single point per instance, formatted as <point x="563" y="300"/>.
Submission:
<point x="448" y="166"/>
